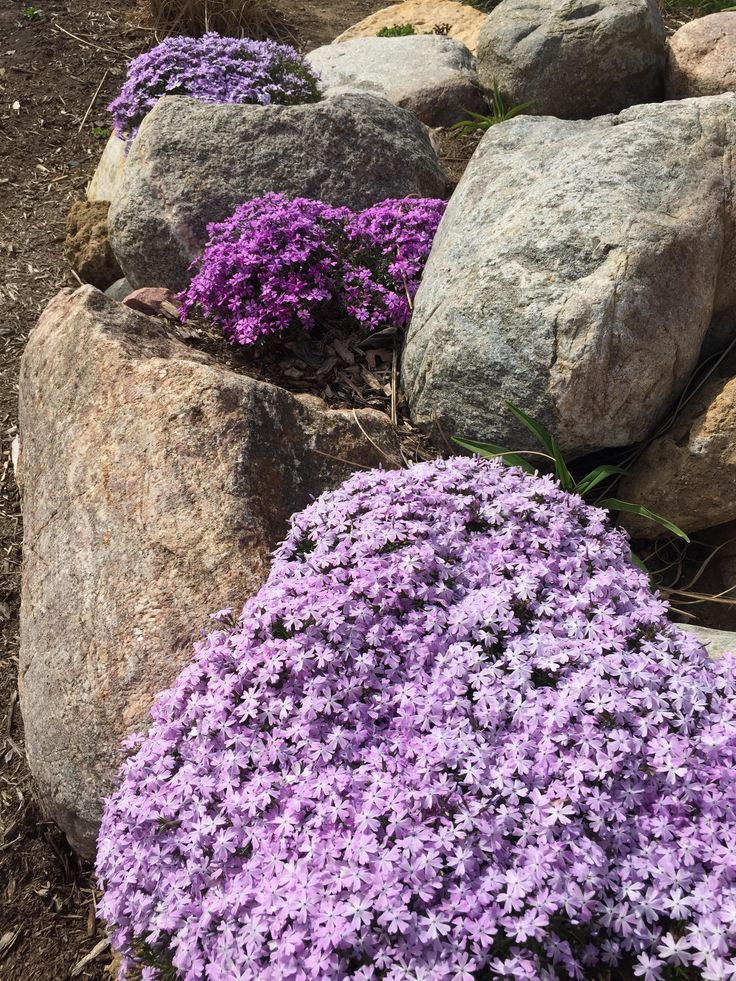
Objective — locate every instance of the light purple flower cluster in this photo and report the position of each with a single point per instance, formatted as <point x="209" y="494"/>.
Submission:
<point x="278" y="263"/>
<point x="453" y="738"/>
<point x="213" y="69"/>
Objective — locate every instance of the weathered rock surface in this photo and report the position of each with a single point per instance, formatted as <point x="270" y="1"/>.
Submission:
<point x="87" y="246"/>
<point x="716" y="642"/>
<point x="156" y="482"/>
<point x="106" y="179"/>
<point x="689" y="474"/>
<point x="575" y="272"/>
<point x="573" y="59"/>
<point x="150" y="299"/>
<point x="701" y="57"/>
<point x="119" y="289"/>
<point x="433" y="77"/>
<point x="193" y="163"/>
<point x="463" y="21"/>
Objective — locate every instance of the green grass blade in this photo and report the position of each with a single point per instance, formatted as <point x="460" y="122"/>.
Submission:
<point x="549" y="443"/>
<point x="597" y="476"/>
<point x="469" y="126"/>
<point x="638" y="562"/>
<point x="472" y="122"/>
<point x="497" y="104"/>
<point x="489" y="451"/>
<point x="517" y="110"/>
<point x="612" y="504"/>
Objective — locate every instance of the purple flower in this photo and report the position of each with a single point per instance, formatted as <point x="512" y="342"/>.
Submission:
<point x="213" y="69"/>
<point x="439" y="743"/>
<point x="279" y="263"/>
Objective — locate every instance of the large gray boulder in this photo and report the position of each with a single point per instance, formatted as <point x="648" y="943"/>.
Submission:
<point x="462" y="21"/>
<point x="432" y="76"/>
<point x="193" y="163"/>
<point x="573" y="58"/>
<point x="156" y="482"/>
<point x="716" y="642"/>
<point x="575" y="273"/>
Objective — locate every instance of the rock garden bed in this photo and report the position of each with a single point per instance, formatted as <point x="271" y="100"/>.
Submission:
<point x="280" y="296"/>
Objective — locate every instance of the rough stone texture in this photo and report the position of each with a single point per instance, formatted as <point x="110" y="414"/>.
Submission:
<point x="575" y="272"/>
<point x="87" y="246"/>
<point x="193" y="163"/>
<point x="701" y="57"/>
<point x="464" y="21"/>
<point x="119" y="289"/>
<point x="573" y="59"/>
<point x="156" y="482"/>
<point x="689" y="473"/>
<point x="434" y="77"/>
<point x="716" y="642"/>
<point x="106" y="179"/>
<point x="150" y="299"/>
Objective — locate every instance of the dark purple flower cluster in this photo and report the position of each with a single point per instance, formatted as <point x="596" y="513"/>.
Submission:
<point x="213" y="69"/>
<point x="278" y="263"/>
<point x="454" y="737"/>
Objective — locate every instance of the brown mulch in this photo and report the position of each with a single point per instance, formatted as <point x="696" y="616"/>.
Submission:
<point x="347" y="369"/>
<point x="455" y="150"/>
<point x="47" y="80"/>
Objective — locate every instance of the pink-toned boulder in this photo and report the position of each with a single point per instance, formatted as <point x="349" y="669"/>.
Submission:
<point x="150" y="299"/>
<point x="458" y="20"/>
<point x="156" y="482"/>
<point x="701" y="58"/>
<point x="689" y="473"/>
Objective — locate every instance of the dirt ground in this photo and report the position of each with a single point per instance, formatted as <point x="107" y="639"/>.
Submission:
<point x="54" y="55"/>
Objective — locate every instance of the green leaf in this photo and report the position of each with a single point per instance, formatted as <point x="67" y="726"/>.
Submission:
<point x="642" y="565"/>
<point x="612" y="504"/>
<point x="549" y="443"/>
<point x="517" y="110"/>
<point x="473" y="122"/>
<point x="653" y="585"/>
<point x="498" y="106"/>
<point x="638" y="562"/>
<point x="489" y="451"/>
<point x="597" y="476"/>
<point x="477" y="116"/>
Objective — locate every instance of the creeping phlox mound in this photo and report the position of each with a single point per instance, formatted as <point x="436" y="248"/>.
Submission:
<point x="278" y="263"/>
<point x="213" y="69"/>
<point x="454" y="736"/>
